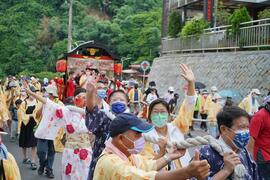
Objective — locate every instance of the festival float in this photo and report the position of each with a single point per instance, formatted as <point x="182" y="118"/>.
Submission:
<point x="90" y="54"/>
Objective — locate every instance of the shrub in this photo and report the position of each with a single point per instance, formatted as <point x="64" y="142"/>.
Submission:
<point x="194" y="27"/>
<point x="264" y="14"/>
<point x="239" y="16"/>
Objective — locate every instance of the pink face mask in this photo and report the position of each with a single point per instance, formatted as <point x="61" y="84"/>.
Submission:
<point x="138" y="145"/>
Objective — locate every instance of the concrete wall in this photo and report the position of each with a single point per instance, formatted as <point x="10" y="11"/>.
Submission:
<point x="238" y="70"/>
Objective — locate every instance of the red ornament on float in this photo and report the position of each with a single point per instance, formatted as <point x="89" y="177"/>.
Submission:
<point x="61" y="66"/>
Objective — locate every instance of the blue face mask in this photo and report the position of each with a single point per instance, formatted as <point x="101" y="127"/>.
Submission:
<point x="241" y="138"/>
<point x="118" y="107"/>
<point x="102" y="94"/>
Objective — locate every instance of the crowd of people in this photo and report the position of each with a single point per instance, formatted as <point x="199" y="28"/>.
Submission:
<point x="99" y="124"/>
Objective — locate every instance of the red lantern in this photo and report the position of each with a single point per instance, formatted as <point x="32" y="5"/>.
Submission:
<point x="61" y="65"/>
<point x="118" y="68"/>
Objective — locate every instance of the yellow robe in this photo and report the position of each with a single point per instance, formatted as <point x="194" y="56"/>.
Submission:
<point x="4" y="112"/>
<point x="11" y="169"/>
<point x="131" y="95"/>
<point x="214" y="109"/>
<point x="246" y="104"/>
<point x="208" y="102"/>
<point x="202" y="105"/>
<point x="184" y="117"/>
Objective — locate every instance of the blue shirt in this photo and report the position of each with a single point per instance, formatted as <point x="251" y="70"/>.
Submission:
<point x="98" y="123"/>
<point x="136" y="95"/>
<point x="216" y="162"/>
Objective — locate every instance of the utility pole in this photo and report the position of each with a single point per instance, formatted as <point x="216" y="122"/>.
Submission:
<point x="70" y="26"/>
<point x="165" y="14"/>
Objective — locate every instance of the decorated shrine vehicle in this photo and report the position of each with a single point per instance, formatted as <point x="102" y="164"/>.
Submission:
<point x="92" y="55"/>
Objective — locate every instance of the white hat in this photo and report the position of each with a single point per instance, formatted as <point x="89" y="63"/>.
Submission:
<point x="216" y="96"/>
<point x="171" y="89"/>
<point x="51" y="90"/>
<point x="214" y="88"/>
<point x="256" y="91"/>
<point x="45" y="80"/>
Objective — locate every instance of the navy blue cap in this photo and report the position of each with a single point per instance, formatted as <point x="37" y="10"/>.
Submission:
<point x="127" y="121"/>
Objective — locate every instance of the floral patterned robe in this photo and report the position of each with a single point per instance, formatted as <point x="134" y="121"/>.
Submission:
<point x="77" y="153"/>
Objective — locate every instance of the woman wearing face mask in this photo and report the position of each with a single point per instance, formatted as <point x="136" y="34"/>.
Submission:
<point x="26" y="124"/>
<point x="233" y="125"/>
<point x="159" y="116"/>
<point x="98" y="120"/>
<point x="77" y="153"/>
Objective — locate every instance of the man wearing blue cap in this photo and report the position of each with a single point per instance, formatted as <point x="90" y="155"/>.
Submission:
<point x="121" y="160"/>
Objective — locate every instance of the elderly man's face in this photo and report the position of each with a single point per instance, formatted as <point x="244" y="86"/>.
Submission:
<point x="129" y="137"/>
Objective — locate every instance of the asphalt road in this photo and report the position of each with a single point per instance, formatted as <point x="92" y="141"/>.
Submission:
<point x="28" y="174"/>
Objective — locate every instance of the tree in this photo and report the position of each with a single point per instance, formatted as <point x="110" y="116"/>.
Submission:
<point x="175" y="24"/>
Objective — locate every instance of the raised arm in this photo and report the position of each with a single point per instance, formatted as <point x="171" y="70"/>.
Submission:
<point x="188" y="75"/>
<point x="34" y="95"/>
<point x="186" y="110"/>
<point x="91" y="96"/>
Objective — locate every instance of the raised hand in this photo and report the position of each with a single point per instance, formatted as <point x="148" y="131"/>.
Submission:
<point x="187" y="73"/>
<point x="90" y="87"/>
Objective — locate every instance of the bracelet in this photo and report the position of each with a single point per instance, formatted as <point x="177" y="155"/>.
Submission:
<point x="167" y="159"/>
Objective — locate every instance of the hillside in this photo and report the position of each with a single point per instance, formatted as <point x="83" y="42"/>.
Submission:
<point x="34" y="32"/>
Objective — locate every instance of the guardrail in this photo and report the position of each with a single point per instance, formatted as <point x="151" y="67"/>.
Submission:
<point x="253" y="34"/>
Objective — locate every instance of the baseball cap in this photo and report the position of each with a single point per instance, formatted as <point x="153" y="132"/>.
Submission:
<point x="127" y="121"/>
<point x="51" y="90"/>
<point x="205" y="91"/>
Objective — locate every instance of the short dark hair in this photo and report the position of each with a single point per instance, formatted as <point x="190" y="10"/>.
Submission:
<point x="228" y="114"/>
<point x="18" y="102"/>
<point x="70" y="73"/>
<point x="155" y="102"/>
<point x="118" y="91"/>
<point x="78" y="91"/>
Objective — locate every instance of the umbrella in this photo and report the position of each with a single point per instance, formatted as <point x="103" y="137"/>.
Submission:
<point x="232" y="93"/>
<point x="199" y="85"/>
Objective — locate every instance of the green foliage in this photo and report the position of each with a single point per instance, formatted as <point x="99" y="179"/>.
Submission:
<point x="223" y="14"/>
<point x="239" y="16"/>
<point x="34" y="32"/>
<point x="264" y="14"/>
<point x="175" y="25"/>
<point x="194" y="27"/>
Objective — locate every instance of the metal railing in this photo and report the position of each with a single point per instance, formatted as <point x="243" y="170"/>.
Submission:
<point x="253" y="34"/>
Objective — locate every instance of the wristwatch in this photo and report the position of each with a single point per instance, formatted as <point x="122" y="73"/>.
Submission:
<point x="167" y="159"/>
